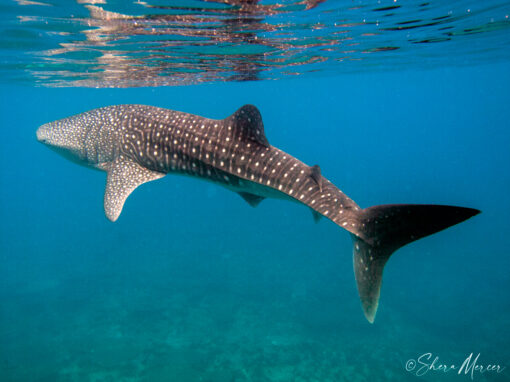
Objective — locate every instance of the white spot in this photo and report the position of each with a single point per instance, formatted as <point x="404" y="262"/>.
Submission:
<point x="302" y="196"/>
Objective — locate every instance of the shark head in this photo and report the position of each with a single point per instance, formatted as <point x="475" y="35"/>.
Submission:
<point x="66" y="137"/>
<point x="83" y="138"/>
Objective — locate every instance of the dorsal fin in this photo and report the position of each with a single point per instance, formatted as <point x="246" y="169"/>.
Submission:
<point x="247" y="124"/>
<point x="316" y="175"/>
<point x="252" y="199"/>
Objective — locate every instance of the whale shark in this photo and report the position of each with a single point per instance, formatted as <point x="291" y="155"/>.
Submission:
<point x="136" y="144"/>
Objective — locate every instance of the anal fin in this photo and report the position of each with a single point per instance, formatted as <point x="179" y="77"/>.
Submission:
<point x="316" y="216"/>
<point x="124" y="175"/>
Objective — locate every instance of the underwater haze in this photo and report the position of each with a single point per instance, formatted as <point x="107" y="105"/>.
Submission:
<point x="398" y="102"/>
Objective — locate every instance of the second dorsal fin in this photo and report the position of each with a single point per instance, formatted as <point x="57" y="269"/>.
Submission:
<point x="316" y="175"/>
<point x="247" y="124"/>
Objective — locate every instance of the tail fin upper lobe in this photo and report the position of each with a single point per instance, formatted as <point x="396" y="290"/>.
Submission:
<point x="386" y="228"/>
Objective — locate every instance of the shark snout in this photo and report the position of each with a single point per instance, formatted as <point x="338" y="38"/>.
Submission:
<point x="42" y="134"/>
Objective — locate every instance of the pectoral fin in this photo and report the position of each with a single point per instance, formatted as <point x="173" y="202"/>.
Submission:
<point x="123" y="177"/>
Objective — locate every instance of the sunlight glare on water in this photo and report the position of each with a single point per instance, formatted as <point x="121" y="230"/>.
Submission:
<point x="152" y="43"/>
<point x="101" y="43"/>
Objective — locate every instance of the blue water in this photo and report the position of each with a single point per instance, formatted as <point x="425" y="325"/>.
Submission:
<point x="192" y="284"/>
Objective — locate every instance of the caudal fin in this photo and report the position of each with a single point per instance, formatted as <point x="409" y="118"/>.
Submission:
<point x="386" y="228"/>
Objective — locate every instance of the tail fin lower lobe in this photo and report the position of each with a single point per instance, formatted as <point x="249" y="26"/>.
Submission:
<point x="386" y="228"/>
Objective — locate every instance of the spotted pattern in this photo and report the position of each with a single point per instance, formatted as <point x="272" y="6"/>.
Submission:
<point x="230" y="152"/>
<point x="136" y="144"/>
<point x="233" y="152"/>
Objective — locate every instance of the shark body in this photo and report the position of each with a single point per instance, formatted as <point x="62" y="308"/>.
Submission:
<point x="136" y="144"/>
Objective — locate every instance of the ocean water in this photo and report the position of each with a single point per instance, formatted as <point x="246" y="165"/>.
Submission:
<point x="398" y="102"/>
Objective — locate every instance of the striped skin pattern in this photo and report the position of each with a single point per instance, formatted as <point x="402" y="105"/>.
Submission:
<point x="136" y="144"/>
